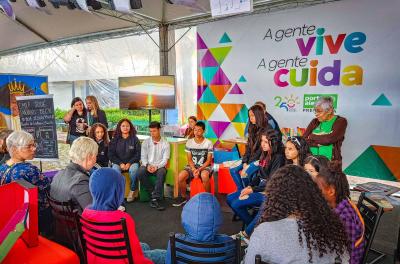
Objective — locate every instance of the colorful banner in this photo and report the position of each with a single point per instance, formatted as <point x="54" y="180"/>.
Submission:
<point x="12" y="86"/>
<point x="288" y="59"/>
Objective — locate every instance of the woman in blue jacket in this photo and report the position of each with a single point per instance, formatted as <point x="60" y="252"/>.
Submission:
<point x="201" y="219"/>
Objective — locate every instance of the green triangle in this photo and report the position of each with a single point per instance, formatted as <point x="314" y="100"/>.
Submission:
<point x="208" y="73"/>
<point x="382" y="101"/>
<point x="225" y="39"/>
<point x="370" y="165"/>
<point x="209" y="131"/>
<point x="242" y="79"/>
<point x="208" y="97"/>
<point x="220" y="53"/>
<point x="242" y="116"/>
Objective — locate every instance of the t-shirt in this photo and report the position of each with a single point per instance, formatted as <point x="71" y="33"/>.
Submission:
<point x="199" y="151"/>
<point x="78" y="124"/>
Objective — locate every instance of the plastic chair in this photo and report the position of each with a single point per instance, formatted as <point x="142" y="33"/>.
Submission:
<point x="107" y="240"/>
<point x="371" y="213"/>
<point x="231" y="256"/>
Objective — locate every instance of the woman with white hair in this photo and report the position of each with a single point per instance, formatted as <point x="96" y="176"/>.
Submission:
<point x="325" y="133"/>
<point x="22" y="147"/>
<point x="72" y="183"/>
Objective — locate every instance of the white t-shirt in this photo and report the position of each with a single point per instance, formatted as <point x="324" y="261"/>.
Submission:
<point x="199" y="151"/>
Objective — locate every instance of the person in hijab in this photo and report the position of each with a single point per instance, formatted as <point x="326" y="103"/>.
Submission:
<point x="107" y="187"/>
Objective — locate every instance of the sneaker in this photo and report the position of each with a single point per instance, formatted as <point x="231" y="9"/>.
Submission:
<point x="122" y="208"/>
<point x="130" y="197"/>
<point x="157" y="205"/>
<point x="180" y="201"/>
<point x="243" y="238"/>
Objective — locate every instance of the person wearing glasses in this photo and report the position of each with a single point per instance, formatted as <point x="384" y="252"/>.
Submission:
<point x="296" y="150"/>
<point x="325" y="133"/>
<point x="22" y="147"/>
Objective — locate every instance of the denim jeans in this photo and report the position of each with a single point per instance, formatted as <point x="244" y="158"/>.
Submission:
<point x="155" y="255"/>
<point x="132" y="173"/>
<point x="243" y="182"/>
<point x="240" y="207"/>
<point x="156" y="190"/>
<point x="250" y="227"/>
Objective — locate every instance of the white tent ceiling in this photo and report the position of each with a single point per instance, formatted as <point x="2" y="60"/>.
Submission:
<point x="39" y="28"/>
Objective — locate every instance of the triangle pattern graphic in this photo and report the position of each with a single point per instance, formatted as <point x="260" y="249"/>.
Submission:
<point x="239" y="127"/>
<point x="200" y="80"/>
<point x="219" y="127"/>
<point x="242" y="116"/>
<point x="390" y="156"/>
<point x="207" y="109"/>
<point x="209" y="133"/>
<point x="220" y="90"/>
<point x="200" y="91"/>
<point x="242" y="79"/>
<point x="220" y="78"/>
<point x="370" y="165"/>
<point x="236" y="90"/>
<point x="200" y="43"/>
<point x="208" y="73"/>
<point x="232" y="110"/>
<point x="200" y="115"/>
<point x="208" y="97"/>
<point x="208" y="60"/>
<point x="225" y="39"/>
<point x="382" y="100"/>
<point x="219" y="115"/>
<point x="220" y="53"/>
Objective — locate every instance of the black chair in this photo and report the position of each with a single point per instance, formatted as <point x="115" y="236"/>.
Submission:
<point x="371" y="213"/>
<point x="258" y="260"/>
<point x="232" y="256"/>
<point x="65" y="229"/>
<point x="100" y="238"/>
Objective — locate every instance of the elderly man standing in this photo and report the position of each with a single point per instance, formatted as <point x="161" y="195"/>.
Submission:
<point x="325" y="133"/>
<point x="154" y="157"/>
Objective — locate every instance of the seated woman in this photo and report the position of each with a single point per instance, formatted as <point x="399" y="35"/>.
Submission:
<point x="76" y="118"/>
<point x="99" y="133"/>
<point x="296" y="150"/>
<point x="201" y="220"/>
<point x="107" y="188"/>
<point x="335" y="188"/>
<point x="21" y="147"/>
<point x="242" y="174"/>
<point x="189" y="132"/>
<point x="271" y="160"/>
<point x="124" y="152"/>
<point x="4" y="155"/>
<point x="72" y="183"/>
<point x="297" y="226"/>
<point x="313" y="164"/>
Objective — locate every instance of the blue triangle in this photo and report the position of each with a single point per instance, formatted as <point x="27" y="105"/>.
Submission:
<point x="225" y="39"/>
<point x="208" y="73"/>
<point x="382" y="101"/>
<point x="208" y="97"/>
<point x="242" y="79"/>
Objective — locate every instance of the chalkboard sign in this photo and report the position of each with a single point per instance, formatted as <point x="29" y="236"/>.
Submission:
<point x="37" y="117"/>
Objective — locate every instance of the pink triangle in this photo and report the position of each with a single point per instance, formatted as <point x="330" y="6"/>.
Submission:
<point x="200" y="91"/>
<point x="208" y="60"/>
<point x="220" y="78"/>
<point x="200" y="43"/>
<point x="219" y="127"/>
<point x="236" y="90"/>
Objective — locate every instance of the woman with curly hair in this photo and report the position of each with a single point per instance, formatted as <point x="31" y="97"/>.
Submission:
<point x="124" y="152"/>
<point x="335" y="188"/>
<point x="297" y="225"/>
<point x="243" y="173"/>
<point x="296" y="150"/>
<point x="99" y="133"/>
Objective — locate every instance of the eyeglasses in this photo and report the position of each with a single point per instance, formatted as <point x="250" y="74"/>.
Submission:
<point x="295" y="140"/>
<point x="33" y="145"/>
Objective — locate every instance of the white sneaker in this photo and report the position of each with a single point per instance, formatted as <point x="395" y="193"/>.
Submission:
<point x="121" y="208"/>
<point x="130" y="197"/>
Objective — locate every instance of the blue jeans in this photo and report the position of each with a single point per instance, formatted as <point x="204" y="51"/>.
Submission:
<point x="243" y="182"/>
<point x="155" y="255"/>
<point x="132" y="173"/>
<point x="250" y="227"/>
<point x="240" y="207"/>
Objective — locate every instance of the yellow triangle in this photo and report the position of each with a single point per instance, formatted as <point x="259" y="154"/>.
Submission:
<point x="240" y="128"/>
<point x="207" y="109"/>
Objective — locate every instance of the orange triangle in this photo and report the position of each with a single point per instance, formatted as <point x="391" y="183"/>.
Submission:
<point x="200" y="115"/>
<point x="207" y="109"/>
<point x="391" y="157"/>
<point x="232" y="110"/>
<point x="200" y="80"/>
<point x="220" y="90"/>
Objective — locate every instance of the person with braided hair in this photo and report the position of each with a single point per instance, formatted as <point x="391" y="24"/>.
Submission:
<point x="297" y="226"/>
<point x="335" y="188"/>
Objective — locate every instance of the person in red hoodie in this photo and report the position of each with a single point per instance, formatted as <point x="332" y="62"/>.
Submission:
<point x="107" y="188"/>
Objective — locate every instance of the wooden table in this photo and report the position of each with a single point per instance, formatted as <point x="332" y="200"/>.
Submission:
<point x="240" y="144"/>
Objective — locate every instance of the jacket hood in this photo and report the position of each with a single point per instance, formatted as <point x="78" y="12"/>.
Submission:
<point x="201" y="217"/>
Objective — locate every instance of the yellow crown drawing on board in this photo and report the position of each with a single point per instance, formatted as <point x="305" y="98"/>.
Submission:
<point x="16" y="88"/>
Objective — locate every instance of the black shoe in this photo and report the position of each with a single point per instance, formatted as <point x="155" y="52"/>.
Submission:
<point x="180" y="201"/>
<point x="155" y="204"/>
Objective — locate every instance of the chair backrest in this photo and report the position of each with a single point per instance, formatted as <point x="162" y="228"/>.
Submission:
<point x="107" y="240"/>
<point x="258" y="260"/>
<point x="229" y="256"/>
<point x="371" y="213"/>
